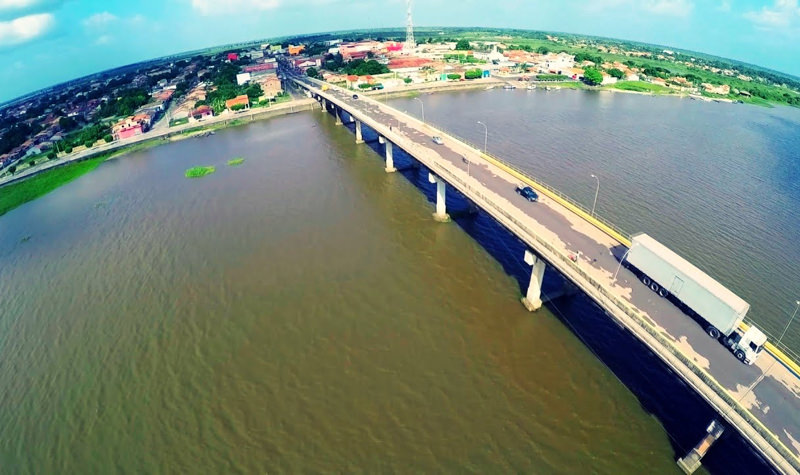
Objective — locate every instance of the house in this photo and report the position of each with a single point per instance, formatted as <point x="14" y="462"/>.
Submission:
<point x="242" y="78"/>
<point x="201" y="113"/>
<point x="722" y="90"/>
<point x="127" y="131"/>
<point x="295" y="50"/>
<point x="271" y="86"/>
<point x="237" y="101"/>
<point x="233" y="57"/>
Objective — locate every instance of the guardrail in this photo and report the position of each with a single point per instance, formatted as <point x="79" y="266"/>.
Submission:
<point x="705" y="384"/>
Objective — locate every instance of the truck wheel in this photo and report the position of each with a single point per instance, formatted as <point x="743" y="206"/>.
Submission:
<point x="646" y="280"/>
<point x="740" y="355"/>
<point x="654" y="287"/>
<point x="662" y="292"/>
<point x="712" y="332"/>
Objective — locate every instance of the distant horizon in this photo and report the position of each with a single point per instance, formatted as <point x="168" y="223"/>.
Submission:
<point x="34" y="92"/>
<point x="47" y="42"/>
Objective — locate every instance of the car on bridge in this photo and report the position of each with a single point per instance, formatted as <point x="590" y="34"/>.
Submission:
<point x="527" y="193"/>
<point x="437" y="140"/>
<point x="355" y="96"/>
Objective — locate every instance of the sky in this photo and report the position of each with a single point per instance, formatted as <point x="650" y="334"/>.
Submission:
<point x="45" y="42"/>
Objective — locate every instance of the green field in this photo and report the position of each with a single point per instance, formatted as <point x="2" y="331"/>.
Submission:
<point x="197" y="172"/>
<point x="17" y="194"/>
<point x="641" y="86"/>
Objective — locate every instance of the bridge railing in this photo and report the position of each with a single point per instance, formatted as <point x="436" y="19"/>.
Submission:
<point x="600" y="292"/>
<point x="615" y="231"/>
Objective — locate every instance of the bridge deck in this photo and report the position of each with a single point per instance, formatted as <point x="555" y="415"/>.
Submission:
<point x="768" y="414"/>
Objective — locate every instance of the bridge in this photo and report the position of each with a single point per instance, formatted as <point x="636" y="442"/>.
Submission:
<point x="761" y="401"/>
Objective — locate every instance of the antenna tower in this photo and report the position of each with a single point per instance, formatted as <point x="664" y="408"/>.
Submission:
<point x="410" y="43"/>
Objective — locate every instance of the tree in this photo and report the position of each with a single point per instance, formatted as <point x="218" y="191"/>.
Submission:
<point x="312" y="73"/>
<point x="237" y="107"/>
<point x="364" y="86"/>
<point x="68" y="149"/>
<point x="89" y="144"/>
<point x="407" y="80"/>
<point x="473" y="74"/>
<point x="454" y="76"/>
<point x="67" y="124"/>
<point x="617" y="73"/>
<point x="542" y="50"/>
<point x="51" y="155"/>
<point x="108" y="138"/>
<point x="592" y="76"/>
<point x="462" y="45"/>
<point x="12" y="169"/>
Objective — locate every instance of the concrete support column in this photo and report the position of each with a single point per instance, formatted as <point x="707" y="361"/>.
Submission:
<point x="533" y="298"/>
<point x="389" y="157"/>
<point x="441" y="191"/>
<point x="359" y="138"/>
<point x="691" y="461"/>
<point x="338" y="113"/>
<point x="324" y="104"/>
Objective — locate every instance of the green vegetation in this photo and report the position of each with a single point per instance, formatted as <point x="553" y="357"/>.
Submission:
<point x="312" y="72"/>
<point x="551" y="77"/>
<point x="617" y="73"/>
<point x="358" y="67"/>
<point x="235" y="161"/>
<point x="126" y="103"/>
<point x="17" y="194"/>
<point x="473" y="74"/>
<point x="641" y="86"/>
<point x="462" y="45"/>
<point x="227" y="88"/>
<point x="592" y="76"/>
<point x="454" y="76"/>
<point x="177" y="122"/>
<point x="197" y="172"/>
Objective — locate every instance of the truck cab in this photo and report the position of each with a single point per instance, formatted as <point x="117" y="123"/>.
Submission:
<point x="747" y="346"/>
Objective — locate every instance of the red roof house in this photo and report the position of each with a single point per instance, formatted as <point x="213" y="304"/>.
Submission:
<point x="233" y="57"/>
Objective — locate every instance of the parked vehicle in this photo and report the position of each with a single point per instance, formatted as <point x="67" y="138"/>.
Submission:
<point x="437" y="140"/>
<point x="698" y="294"/>
<point x="355" y="96"/>
<point x="527" y="193"/>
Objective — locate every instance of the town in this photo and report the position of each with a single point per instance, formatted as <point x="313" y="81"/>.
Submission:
<point x="131" y="101"/>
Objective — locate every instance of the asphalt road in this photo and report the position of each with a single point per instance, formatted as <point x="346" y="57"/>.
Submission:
<point x="775" y="400"/>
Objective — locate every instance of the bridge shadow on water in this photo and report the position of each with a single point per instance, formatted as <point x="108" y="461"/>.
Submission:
<point x="683" y="414"/>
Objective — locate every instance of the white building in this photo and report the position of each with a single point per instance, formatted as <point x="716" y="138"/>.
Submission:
<point x="242" y="78"/>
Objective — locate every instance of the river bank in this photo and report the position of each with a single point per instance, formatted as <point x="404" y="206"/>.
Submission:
<point x="35" y="182"/>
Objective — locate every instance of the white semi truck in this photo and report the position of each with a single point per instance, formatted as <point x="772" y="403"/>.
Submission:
<point x="668" y="274"/>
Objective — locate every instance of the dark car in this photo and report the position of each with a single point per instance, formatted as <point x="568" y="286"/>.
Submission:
<point x="355" y="96"/>
<point x="527" y="193"/>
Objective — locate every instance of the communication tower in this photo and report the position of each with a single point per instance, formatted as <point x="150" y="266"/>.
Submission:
<point x="410" y="43"/>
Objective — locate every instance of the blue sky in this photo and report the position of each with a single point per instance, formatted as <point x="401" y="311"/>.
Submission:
<point x="43" y="42"/>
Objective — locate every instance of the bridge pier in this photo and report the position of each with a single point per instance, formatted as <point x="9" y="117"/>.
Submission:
<point x="359" y="137"/>
<point x="691" y="461"/>
<point x="441" y="190"/>
<point x="389" y="157"/>
<point x="533" y="298"/>
<point x="324" y="104"/>
<point x="337" y="111"/>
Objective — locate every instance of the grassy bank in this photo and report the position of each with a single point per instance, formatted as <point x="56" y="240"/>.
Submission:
<point x="641" y="86"/>
<point x="197" y="172"/>
<point x="17" y="194"/>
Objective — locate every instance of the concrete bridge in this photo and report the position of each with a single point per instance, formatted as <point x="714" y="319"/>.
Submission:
<point x="761" y="401"/>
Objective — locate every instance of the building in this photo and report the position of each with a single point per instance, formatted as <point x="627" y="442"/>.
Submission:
<point x="242" y="100"/>
<point x="295" y="50"/>
<point x="242" y="78"/>
<point x="271" y="86"/>
<point x="233" y="57"/>
<point x="201" y="113"/>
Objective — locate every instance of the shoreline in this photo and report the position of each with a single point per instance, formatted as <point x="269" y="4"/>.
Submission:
<point x="168" y="135"/>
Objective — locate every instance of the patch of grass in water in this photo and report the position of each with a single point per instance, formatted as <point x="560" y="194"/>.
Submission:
<point x="236" y="161"/>
<point x="197" y="172"/>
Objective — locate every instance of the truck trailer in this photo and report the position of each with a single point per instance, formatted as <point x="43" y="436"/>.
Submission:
<point x="719" y="309"/>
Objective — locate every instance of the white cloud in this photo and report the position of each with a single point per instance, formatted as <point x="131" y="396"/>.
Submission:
<point x="725" y="6"/>
<point x="674" y="8"/>
<point x="784" y="15"/>
<point x="678" y="8"/>
<point x="17" y="4"/>
<point x="99" y="20"/>
<point x="208" y="7"/>
<point x="103" y="40"/>
<point x="26" y="28"/>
